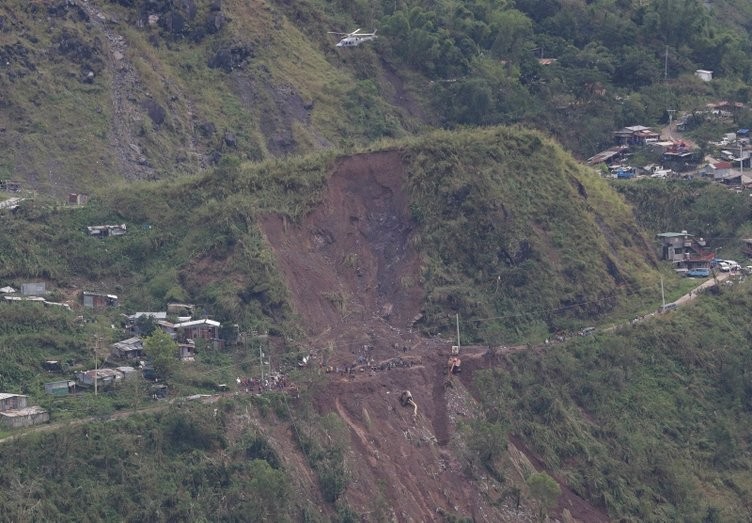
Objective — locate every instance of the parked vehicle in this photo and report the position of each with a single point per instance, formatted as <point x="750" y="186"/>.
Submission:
<point x="668" y="307"/>
<point x="724" y="266"/>
<point x="700" y="272"/>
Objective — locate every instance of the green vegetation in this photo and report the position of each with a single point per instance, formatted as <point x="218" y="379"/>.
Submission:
<point x="514" y="236"/>
<point x="31" y="334"/>
<point x="161" y="350"/>
<point x="504" y="208"/>
<point x="198" y="85"/>
<point x="699" y="207"/>
<point x="178" y="464"/>
<point x="650" y="423"/>
<point x="323" y="442"/>
<point x="545" y="490"/>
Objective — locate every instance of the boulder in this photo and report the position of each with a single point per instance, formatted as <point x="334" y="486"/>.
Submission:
<point x="155" y="111"/>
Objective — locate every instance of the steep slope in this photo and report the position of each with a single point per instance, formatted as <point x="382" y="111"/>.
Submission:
<point x="352" y="260"/>
<point x="350" y="263"/>
<point x="357" y="281"/>
<point x="97" y="92"/>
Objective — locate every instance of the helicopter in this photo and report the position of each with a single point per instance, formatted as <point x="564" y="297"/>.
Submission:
<point x="354" y="38"/>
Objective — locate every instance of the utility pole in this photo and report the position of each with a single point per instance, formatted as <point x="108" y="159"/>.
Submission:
<point x="665" y="81"/>
<point x="663" y="296"/>
<point x="741" y="158"/>
<point x="458" y="331"/>
<point x="670" y="122"/>
<point x="96" y="363"/>
<point x="261" y="364"/>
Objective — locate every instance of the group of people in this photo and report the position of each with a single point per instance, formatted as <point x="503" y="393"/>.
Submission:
<point x="271" y="382"/>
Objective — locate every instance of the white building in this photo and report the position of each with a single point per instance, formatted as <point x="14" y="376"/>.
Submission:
<point x="704" y="75"/>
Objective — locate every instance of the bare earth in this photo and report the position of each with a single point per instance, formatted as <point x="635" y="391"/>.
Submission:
<point x="354" y="280"/>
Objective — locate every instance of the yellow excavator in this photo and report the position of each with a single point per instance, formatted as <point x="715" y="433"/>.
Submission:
<point x="455" y="363"/>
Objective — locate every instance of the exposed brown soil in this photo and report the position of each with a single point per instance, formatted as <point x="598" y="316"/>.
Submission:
<point x="354" y="280"/>
<point x="350" y="269"/>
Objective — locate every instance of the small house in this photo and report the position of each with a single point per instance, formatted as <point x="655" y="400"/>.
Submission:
<point x="33" y="289"/>
<point x="103" y="377"/>
<point x="52" y="365"/>
<point x="130" y="349"/>
<point x="609" y="156"/>
<point x="36" y="299"/>
<point x="716" y="170"/>
<point x="156" y="315"/>
<point x="12" y="401"/>
<point x="734" y="178"/>
<point x="103" y="231"/>
<point x="14" y="411"/>
<point x="10" y="186"/>
<point x="625" y="173"/>
<point x="76" y="198"/>
<point x="187" y="351"/>
<point x="704" y="75"/>
<point x="747" y="247"/>
<point x="60" y="388"/>
<point x="679" y="155"/>
<point x="167" y="327"/>
<point x="203" y="329"/>
<point x="636" y="135"/>
<point x="96" y="300"/>
<point x="181" y="309"/>
<point x="723" y="108"/>
<point x="127" y="372"/>
<point x="24" y="417"/>
<point x="683" y="250"/>
<point x="136" y="323"/>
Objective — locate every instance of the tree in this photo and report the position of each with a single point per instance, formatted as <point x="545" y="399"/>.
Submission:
<point x="545" y="490"/>
<point x="513" y="30"/>
<point x="161" y="350"/>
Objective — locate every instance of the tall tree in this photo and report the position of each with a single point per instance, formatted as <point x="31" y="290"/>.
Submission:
<point x="162" y="351"/>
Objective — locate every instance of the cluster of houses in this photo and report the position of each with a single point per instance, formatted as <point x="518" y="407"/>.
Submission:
<point x="673" y="152"/>
<point x="127" y="357"/>
<point x="126" y="360"/>
<point x="728" y="169"/>
<point x="36" y="292"/>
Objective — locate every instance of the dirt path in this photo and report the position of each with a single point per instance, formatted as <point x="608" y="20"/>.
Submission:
<point x="57" y="425"/>
<point x="670" y="132"/>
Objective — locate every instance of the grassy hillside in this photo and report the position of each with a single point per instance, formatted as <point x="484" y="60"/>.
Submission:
<point x="521" y="240"/>
<point x="497" y="212"/>
<point x="194" y="462"/>
<point x="651" y="422"/>
<point x="514" y="236"/>
<point x="93" y="92"/>
<point x="702" y="208"/>
<point x="97" y="93"/>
